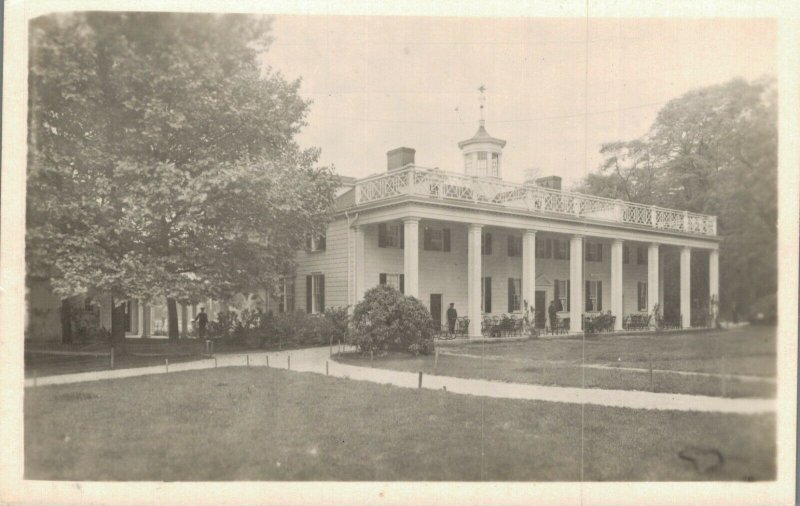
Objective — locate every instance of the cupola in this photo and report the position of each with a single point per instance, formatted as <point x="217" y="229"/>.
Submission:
<point x="482" y="153"/>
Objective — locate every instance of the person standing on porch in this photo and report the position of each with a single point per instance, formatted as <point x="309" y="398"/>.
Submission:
<point x="202" y="320"/>
<point x="452" y="316"/>
<point x="552" y="312"/>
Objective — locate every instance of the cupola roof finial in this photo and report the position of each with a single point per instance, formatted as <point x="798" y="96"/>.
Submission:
<point x="482" y="101"/>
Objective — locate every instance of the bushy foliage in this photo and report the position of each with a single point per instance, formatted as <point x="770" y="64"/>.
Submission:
<point x="387" y="320"/>
<point x="257" y="329"/>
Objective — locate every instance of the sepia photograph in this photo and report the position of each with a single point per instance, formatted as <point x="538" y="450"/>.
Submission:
<point x="421" y="248"/>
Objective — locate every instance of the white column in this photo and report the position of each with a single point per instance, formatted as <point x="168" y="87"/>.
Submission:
<point x="713" y="283"/>
<point x="616" y="283"/>
<point x="474" y="280"/>
<point x="529" y="270"/>
<point x="360" y="265"/>
<point x="411" y="256"/>
<point x="686" y="279"/>
<point x="576" y="283"/>
<point x="652" y="277"/>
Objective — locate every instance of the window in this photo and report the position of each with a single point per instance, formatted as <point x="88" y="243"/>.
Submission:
<point x="560" y="249"/>
<point x="496" y="164"/>
<point x="88" y="304"/>
<point x="436" y="239"/>
<point x="396" y="281"/>
<point x="626" y="255"/>
<point x="514" y="294"/>
<point x="390" y="235"/>
<point x="486" y="295"/>
<point x="315" y="242"/>
<point x="286" y="295"/>
<point x="469" y="163"/>
<point x="486" y="244"/>
<point x="594" y="296"/>
<point x="561" y="295"/>
<point x="641" y="256"/>
<point x="481" y="163"/>
<point x="315" y="293"/>
<point x="641" y="296"/>
<point x="514" y="246"/>
<point x="544" y="248"/>
<point x="594" y="252"/>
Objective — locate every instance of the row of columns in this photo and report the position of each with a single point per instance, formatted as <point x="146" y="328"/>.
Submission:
<point x="576" y="302"/>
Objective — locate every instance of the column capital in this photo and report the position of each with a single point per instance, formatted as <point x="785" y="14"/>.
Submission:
<point x="475" y="226"/>
<point x="617" y="241"/>
<point x="577" y="236"/>
<point x="529" y="232"/>
<point x="654" y="244"/>
<point x="686" y="248"/>
<point x="411" y="219"/>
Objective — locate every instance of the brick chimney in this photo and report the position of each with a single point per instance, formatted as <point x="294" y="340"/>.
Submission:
<point x="552" y="182"/>
<point x="399" y="158"/>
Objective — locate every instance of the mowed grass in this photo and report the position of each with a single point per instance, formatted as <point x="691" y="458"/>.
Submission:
<point x="747" y="351"/>
<point x="266" y="424"/>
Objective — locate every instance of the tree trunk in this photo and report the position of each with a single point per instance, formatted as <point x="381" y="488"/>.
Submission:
<point x="66" y="321"/>
<point x="117" y="327"/>
<point x="172" y="318"/>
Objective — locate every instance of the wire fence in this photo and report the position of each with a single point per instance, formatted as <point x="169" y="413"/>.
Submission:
<point x="48" y="359"/>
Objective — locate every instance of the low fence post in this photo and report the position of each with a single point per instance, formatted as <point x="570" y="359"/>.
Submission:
<point x="724" y="378"/>
<point x="247" y="357"/>
<point x="215" y="362"/>
<point x="267" y="360"/>
<point x="650" y="359"/>
<point x="166" y="364"/>
<point x="326" y="368"/>
<point x="371" y="356"/>
<point x="436" y="360"/>
<point x="420" y="380"/>
<point x="111" y="359"/>
<point x="288" y="362"/>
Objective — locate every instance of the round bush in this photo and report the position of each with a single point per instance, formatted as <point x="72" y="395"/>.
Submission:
<point x="388" y="320"/>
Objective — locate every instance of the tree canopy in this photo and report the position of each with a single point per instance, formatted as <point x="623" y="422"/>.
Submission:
<point x="162" y="159"/>
<point x="714" y="151"/>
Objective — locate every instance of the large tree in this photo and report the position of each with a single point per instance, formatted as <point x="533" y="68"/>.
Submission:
<point x="162" y="159"/>
<point x="713" y="150"/>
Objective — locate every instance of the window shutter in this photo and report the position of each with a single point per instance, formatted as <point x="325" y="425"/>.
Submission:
<point x="548" y="248"/>
<point x="599" y="252"/>
<point x="446" y="239"/>
<point x="568" y="297"/>
<point x="402" y="283"/>
<point x="402" y="236"/>
<point x="487" y="298"/>
<point x="510" y="295"/>
<point x="382" y="278"/>
<point x="487" y="244"/>
<point x="568" y="249"/>
<point x="587" y="252"/>
<point x="308" y="242"/>
<point x="308" y="294"/>
<point x="321" y="242"/>
<point x="600" y="295"/>
<point x="426" y="239"/>
<point x="588" y="306"/>
<point x="510" y="246"/>
<point x="381" y="235"/>
<point x="555" y="291"/>
<point x="321" y="279"/>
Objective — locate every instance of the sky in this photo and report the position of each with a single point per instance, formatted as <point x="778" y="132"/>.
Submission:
<point x="378" y="83"/>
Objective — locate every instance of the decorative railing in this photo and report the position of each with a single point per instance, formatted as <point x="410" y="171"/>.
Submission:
<point x="434" y="183"/>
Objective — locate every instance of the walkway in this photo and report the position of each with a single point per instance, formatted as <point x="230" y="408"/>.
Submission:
<point x="317" y="360"/>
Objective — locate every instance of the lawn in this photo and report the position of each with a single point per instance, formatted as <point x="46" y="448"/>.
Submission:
<point x="266" y="424"/>
<point x="605" y="362"/>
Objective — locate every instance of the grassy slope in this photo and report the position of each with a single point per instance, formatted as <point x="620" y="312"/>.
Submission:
<point x="260" y="424"/>
<point x="748" y="351"/>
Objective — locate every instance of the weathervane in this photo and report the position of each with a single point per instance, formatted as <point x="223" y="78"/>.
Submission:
<point x="482" y="100"/>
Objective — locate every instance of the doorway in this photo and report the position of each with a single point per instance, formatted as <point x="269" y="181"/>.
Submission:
<point x="539" y="307"/>
<point x="436" y="309"/>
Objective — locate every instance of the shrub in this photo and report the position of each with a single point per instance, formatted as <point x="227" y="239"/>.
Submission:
<point x="302" y="329"/>
<point x="388" y="320"/>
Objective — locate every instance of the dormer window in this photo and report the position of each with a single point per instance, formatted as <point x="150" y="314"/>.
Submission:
<point x="481" y="163"/>
<point x="496" y="164"/>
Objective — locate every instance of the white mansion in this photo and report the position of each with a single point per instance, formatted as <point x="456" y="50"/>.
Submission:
<point x="493" y="247"/>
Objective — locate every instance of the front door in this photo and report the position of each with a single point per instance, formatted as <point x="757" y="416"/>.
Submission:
<point x="540" y="309"/>
<point x="436" y="309"/>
